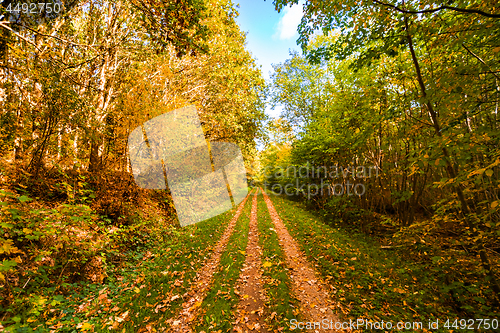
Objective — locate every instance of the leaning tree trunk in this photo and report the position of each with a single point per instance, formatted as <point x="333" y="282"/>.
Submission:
<point x="452" y="173"/>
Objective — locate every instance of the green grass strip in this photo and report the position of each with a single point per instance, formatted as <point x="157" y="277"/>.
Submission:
<point x="276" y="280"/>
<point x="369" y="282"/>
<point x="217" y="307"/>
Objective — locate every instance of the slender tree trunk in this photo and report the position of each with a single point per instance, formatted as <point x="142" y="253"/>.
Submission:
<point x="75" y="148"/>
<point x="106" y="81"/>
<point x="452" y="173"/>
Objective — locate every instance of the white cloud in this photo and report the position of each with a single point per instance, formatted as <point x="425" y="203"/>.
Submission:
<point x="288" y="23"/>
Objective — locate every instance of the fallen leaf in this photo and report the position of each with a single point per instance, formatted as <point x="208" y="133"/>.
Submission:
<point x="85" y="326"/>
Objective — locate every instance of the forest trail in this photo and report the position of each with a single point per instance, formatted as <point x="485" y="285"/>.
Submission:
<point x="203" y="279"/>
<point x="316" y="304"/>
<point x="251" y="308"/>
<point x="252" y="312"/>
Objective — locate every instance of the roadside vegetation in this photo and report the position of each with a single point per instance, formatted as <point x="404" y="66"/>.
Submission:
<point x="377" y="284"/>
<point x="141" y="289"/>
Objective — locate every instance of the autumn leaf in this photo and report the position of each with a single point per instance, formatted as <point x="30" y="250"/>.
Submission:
<point x="85" y="326"/>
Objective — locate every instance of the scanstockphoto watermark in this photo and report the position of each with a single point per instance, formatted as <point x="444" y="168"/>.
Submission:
<point x="470" y="324"/>
<point x="312" y="181"/>
<point x="358" y="324"/>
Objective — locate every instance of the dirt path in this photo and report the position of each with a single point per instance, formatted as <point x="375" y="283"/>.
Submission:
<point x="315" y="303"/>
<point x="250" y="311"/>
<point x="203" y="280"/>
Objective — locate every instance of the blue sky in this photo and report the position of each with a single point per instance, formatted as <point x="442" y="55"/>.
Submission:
<point x="270" y="35"/>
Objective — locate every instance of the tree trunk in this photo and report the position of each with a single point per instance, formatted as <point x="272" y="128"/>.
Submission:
<point x="452" y="173"/>
<point x="106" y="78"/>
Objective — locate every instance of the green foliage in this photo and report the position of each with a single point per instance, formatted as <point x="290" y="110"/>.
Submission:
<point x="414" y="96"/>
<point x="415" y="282"/>
<point x="141" y="281"/>
<point x="175" y="23"/>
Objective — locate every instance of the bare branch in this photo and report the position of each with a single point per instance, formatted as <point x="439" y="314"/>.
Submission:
<point x="433" y="10"/>
<point x="58" y="38"/>
<point x="481" y="60"/>
<point x="20" y="36"/>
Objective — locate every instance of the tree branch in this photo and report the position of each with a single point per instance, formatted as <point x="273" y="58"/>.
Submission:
<point x="433" y="10"/>
<point x="58" y="38"/>
<point x="20" y="36"/>
<point x="481" y="60"/>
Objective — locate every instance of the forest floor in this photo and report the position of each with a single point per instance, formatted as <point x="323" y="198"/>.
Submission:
<point x="268" y="266"/>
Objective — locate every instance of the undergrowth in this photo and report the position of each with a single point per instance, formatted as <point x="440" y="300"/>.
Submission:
<point x="377" y="284"/>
